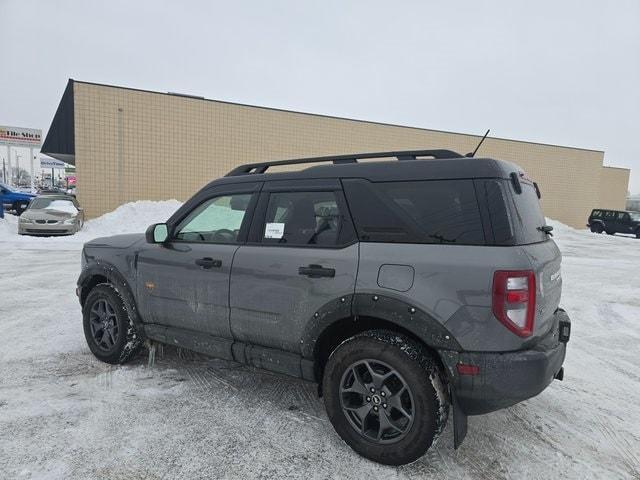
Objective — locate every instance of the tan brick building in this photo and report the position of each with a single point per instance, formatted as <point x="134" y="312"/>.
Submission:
<point x="132" y="145"/>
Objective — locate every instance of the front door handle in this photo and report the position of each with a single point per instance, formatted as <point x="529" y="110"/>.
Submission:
<point x="317" y="271"/>
<point x="208" y="262"/>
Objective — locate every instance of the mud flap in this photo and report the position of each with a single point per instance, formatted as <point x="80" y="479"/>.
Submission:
<point x="459" y="422"/>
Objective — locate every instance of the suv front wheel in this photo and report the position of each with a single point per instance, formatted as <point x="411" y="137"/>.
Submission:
<point x="108" y="328"/>
<point x="385" y="396"/>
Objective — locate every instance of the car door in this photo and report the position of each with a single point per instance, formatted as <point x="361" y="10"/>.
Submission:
<point x="302" y="255"/>
<point x="624" y="223"/>
<point x="609" y="221"/>
<point x="183" y="284"/>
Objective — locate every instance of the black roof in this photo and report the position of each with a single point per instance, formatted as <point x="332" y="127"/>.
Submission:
<point x="432" y="169"/>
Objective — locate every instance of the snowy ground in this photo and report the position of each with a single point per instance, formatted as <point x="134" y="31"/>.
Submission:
<point x="63" y="414"/>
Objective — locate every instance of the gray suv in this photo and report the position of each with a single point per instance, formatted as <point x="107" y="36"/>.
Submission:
<point x="405" y="288"/>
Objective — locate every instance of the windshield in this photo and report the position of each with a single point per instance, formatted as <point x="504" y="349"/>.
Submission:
<point x="57" y="204"/>
<point x="635" y="216"/>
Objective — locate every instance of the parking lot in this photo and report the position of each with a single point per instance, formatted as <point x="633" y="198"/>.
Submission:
<point x="63" y="414"/>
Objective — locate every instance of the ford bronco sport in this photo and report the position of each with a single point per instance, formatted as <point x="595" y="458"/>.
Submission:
<point x="404" y="288"/>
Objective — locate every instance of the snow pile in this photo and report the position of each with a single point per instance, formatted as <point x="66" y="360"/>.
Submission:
<point x="132" y="217"/>
<point x="65" y="206"/>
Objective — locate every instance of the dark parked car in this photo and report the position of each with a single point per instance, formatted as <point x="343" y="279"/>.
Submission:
<point x="404" y="288"/>
<point x="614" y="221"/>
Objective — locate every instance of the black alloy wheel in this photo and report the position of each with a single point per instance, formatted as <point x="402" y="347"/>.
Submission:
<point x="110" y="332"/>
<point x="104" y="325"/>
<point x="377" y="401"/>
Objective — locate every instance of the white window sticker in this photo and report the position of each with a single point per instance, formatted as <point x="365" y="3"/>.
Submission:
<point x="274" y="230"/>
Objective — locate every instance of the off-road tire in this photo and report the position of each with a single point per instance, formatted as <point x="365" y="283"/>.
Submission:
<point x="420" y="372"/>
<point x="638" y="233"/>
<point x="596" y="228"/>
<point x="127" y="341"/>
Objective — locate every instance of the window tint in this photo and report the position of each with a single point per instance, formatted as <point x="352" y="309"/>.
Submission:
<point x="217" y="220"/>
<point x="303" y="218"/>
<point x="609" y="214"/>
<point x="436" y="211"/>
<point x="495" y="198"/>
<point x="527" y="215"/>
<point x="623" y="216"/>
<point x="596" y="214"/>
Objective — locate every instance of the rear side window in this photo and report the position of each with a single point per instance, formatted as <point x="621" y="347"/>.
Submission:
<point x="433" y="211"/>
<point x="303" y="218"/>
<point x="596" y="214"/>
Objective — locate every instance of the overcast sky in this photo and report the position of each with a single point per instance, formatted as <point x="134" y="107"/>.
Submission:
<point x="562" y="72"/>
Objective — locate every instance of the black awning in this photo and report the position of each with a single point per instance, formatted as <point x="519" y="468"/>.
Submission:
<point x="61" y="142"/>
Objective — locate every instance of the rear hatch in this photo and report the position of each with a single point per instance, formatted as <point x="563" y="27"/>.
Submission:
<point x="527" y="221"/>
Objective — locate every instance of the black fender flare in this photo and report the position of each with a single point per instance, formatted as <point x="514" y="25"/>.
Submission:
<point x="398" y="312"/>
<point x="114" y="277"/>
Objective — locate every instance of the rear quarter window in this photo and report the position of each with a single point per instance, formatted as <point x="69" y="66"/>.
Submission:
<point x="431" y="211"/>
<point x="495" y="198"/>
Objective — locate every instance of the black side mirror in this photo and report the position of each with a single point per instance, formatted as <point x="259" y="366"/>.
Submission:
<point x="157" y="233"/>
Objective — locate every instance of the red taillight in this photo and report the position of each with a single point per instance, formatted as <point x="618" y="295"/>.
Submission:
<point x="467" y="369"/>
<point x="514" y="300"/>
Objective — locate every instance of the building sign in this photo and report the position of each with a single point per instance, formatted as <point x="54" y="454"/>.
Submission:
<point x="50" y="163"/>
<point x="20" y="137"/>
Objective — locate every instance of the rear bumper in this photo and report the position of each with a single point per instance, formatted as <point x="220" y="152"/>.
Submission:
<point x="504" y="379"/>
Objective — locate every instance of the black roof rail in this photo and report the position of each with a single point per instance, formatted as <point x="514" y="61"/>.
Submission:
<point x="261" y="167"/>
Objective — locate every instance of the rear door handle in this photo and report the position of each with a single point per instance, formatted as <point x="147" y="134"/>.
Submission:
<point x="317" y="271"/>
<point x="208" y="262"/>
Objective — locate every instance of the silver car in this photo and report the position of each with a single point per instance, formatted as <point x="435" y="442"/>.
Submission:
<point x="51" y="215"/>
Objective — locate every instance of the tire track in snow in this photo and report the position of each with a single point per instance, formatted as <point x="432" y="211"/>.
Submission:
<point x="623" y="446"/>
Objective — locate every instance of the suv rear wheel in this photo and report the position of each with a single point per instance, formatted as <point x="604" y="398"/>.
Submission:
<point x="108" y="328"/>
<point x="597" y="228"/>
<point x="385" y="396"/>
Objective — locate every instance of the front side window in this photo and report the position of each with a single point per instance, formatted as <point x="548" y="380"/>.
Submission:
<point x="217" y="220"/>
<point x="623" y="216"/>
<point x="302" y="218"/>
